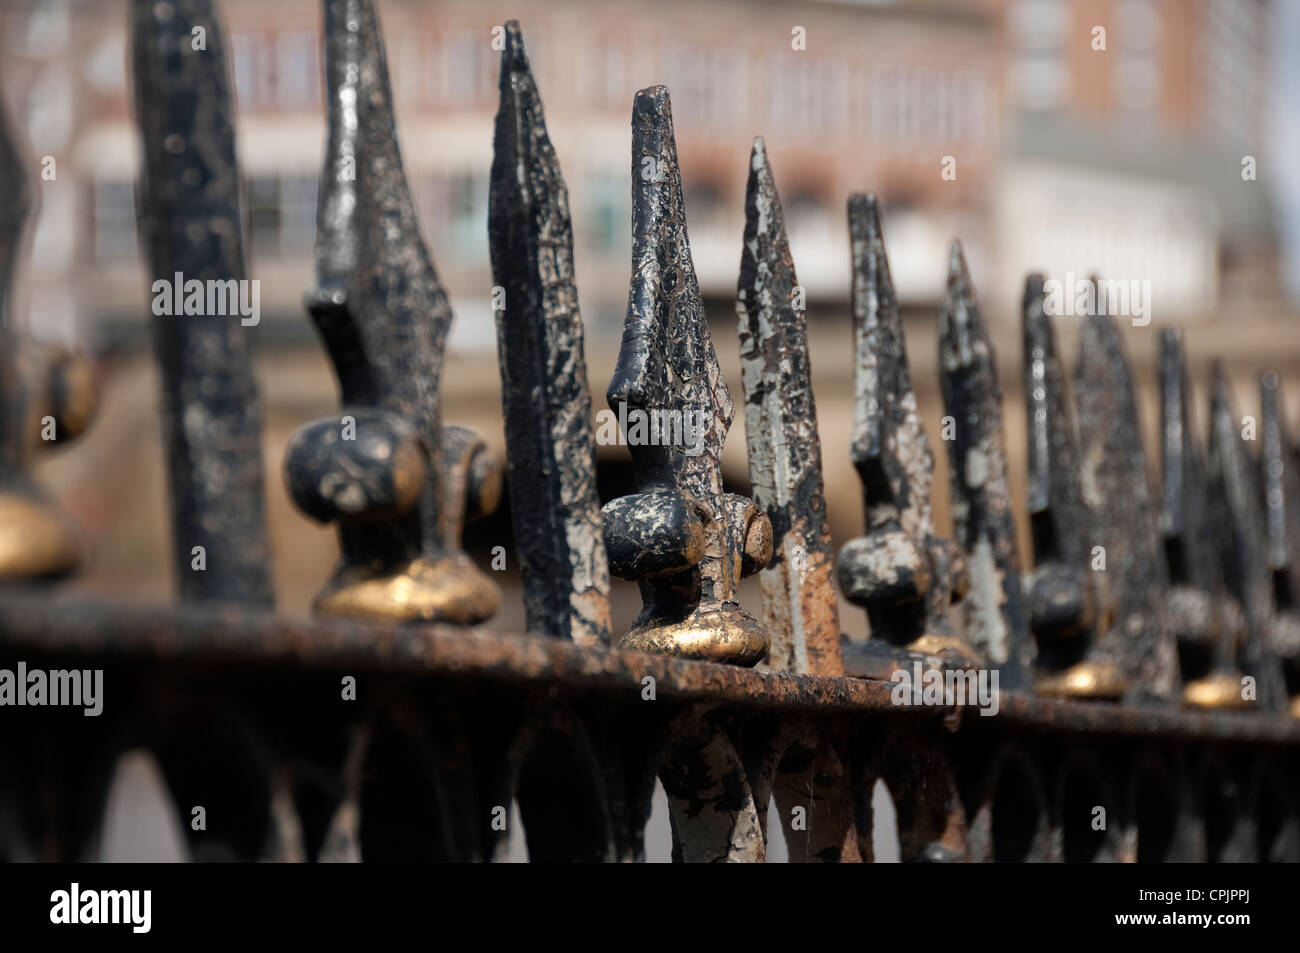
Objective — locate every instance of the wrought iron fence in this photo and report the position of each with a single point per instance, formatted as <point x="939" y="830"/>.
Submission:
<point x="1142" y="657"/>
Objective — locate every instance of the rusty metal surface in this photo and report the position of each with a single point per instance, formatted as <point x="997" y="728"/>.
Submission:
<point x="684" y="538"/>
<point x="1280" y="478"/>
<point x="997" y="622"/>
<point x="235" y="635"/>
<point x="192" y="230"/>
<point x="397" y="482"/>
<point x="901" y="571"/>
<point x="551" y="456"/>
<point x="1204" y="619"/>
<point x="800" y="610"/>
<point x="403" y="734"/>
<point x="1113" y="478"/>
<point x="1240" y="520"/>
<point x="1067" y="605"/>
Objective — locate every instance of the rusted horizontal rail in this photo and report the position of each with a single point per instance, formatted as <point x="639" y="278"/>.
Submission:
<point x="235" y="635"/>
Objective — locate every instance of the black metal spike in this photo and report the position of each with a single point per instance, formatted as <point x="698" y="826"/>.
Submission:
<point x="686" y="540"/>
<point x="551" y="457"/>
<point x="1123" y="516"/>
<point x="191" y="226"/>
<point x="1066" y="599"/>
<point x="1236" y="502"/>
<point x="800" y="609"/>
<point x="1205" y="620"/>
<point x="905" y="575"/>
<point x="397" y="482"/>
<point x="983" y="522"/>
<point x="1280" y="475"/>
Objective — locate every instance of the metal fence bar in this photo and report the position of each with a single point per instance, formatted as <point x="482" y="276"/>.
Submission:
<point x="546" y="401"/>
<point x="1113" y="477"/>
<point x="901" y="571"/>
<point x="1206" y="621"/>
<point x="398" y="483"/>
<point x="192" y="229"/>
<point x="682" y="537"/>
<point x="996" y="619"/>
<point x="1066" y="603"/>
<point x="800" y="610"/>
<point x="1243" y="541"/>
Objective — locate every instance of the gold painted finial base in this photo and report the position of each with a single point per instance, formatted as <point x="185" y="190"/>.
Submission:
<point x="1101" y="681"/>
<point x="954" y="652"/>
<point x="36" y="539"/>
<point x="1222" y="690"/>
<point x="723" y="634"/>
<point x="449" y="589"/>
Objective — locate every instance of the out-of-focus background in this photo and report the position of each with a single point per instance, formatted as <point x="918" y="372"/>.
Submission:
<point x="1126" y="161"/>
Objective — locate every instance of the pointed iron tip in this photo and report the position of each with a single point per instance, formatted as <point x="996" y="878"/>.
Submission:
<point x="1173" y="362"/>
<point x="758" y="161"/>
<point x="957" y="270"/>
<point x="960" y="326"/>
<point x="654" y="105"/>
<point x="1218" y="374"/>
<point x="1033" y="288"/>
<point x="514" y="56"/>
<point x="961" y="292"/>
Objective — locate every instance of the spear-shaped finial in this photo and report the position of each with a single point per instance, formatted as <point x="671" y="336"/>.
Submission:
<point x="983" y="522"/>
<point x="1117" y="494"/>
<point x="551" y="457"/>
<point x="905" y="575"/>
<point x="191" y="226"/>
<point x="685" y="539"/>
<point x="1205" y="620"/>
<point x="1236" y="503"/>
<point x="397" y="482"/>
<point x="785" y="455"/>
<point x="1066" y="598"/>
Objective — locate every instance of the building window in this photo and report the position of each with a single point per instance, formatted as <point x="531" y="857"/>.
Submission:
<point x="1137" y="75"/>
<point x="807" y="94"/>
<point x="114" y="227"/>
<point x="281" y="71"/>
<point x="468" y="205"/>
<point x="1040" y="79"/>
<point x="462" y="69"/>
<point x="297" y="71"/>
<point x="1234" y="45"/>
<point x="708" y="84"/>
<point x="608" y="212"/>
<point x="926" y="104"/>
<point x="282" y="215"/>
<point x="603" y="74"/>
<point x="254" y="71"/>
